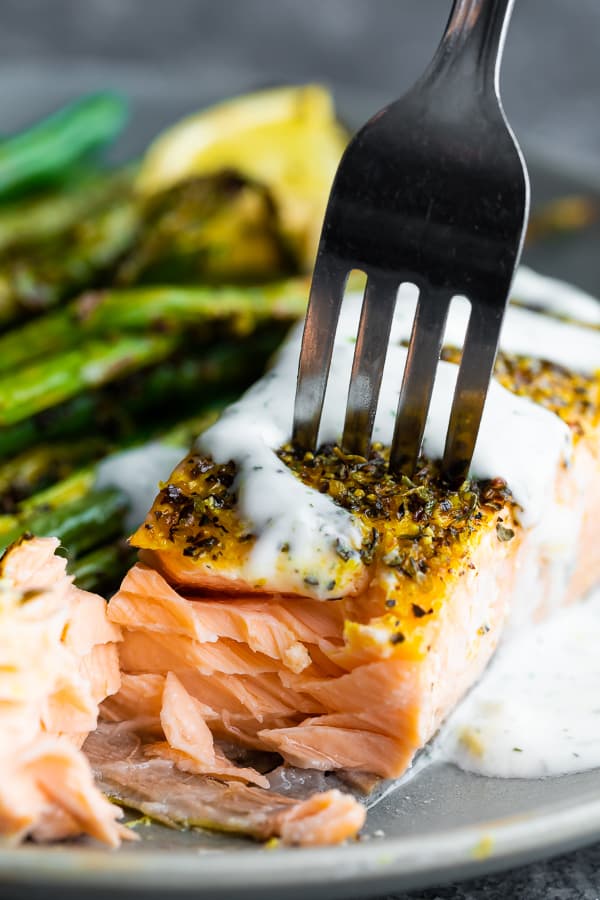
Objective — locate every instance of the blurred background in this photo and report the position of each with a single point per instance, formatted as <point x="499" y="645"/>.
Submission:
<point x="173" y="56"/>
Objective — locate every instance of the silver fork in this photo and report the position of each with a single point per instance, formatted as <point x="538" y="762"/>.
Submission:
<point x="434" y="191"/>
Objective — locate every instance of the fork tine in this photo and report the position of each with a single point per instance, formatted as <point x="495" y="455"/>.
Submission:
<point x="326" y="295"/>
<point x="474" y="376"/>
<point x="369" y="358"/>
<point x="419" y="376"/>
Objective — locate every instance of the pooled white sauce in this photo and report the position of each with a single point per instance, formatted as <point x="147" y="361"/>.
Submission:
<point x="518" y="441"/>
<point x="536" y="710"/>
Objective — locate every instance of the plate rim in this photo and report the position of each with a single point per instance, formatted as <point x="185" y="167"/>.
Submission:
<point x="377" y="864"/>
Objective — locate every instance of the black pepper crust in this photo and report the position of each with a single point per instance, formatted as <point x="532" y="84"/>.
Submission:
<point x="408" y="524"/>
<point x="196" y="510"/>
<point x="424" y="516"/>
<point x="414" y="526"/>
<point x="574" y="397"/>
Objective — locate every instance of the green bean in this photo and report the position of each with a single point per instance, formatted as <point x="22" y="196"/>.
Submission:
<point x="80" y="524"/>
<point x="52" y="146"/>
<point x="48" y="382"/>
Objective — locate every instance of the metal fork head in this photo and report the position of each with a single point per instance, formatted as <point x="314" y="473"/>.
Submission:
<point x="433" y="190"/>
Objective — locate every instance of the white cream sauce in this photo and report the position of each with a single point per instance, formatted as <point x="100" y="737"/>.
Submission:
<point x="536" y="711"/>
<point x="526" y="333"/>
<point x="137" y="472"/>
<point x="555" y="296"/>
<point x="518" y="440"/>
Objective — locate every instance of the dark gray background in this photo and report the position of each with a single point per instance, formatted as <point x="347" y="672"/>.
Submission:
<point x="367" y="48"/>
<point x="175" y="55"/>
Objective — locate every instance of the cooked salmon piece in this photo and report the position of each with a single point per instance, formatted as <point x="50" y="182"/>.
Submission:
<point x="354" y="665"/>
<point x="58" y="661"/>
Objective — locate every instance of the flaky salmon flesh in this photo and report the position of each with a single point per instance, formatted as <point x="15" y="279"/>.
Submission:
<point x="58" y="661"/>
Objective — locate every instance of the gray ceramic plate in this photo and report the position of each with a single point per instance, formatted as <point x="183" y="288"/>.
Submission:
<point x="441" y="825"/>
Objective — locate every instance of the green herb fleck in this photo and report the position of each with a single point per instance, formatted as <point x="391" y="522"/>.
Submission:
<point x="504" y="533"/>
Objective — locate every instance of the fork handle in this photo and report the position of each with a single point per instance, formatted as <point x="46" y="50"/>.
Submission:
<point x="472" y="45"/>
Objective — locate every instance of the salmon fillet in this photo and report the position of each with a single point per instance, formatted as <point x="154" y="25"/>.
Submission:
<point x="58" y="661"/>
<point x="358" y="668"/>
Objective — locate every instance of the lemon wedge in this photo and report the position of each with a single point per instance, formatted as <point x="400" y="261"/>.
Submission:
<point x="288" y="138"/>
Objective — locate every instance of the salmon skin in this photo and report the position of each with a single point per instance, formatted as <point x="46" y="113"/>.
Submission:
<point x="159" y="788"/>
<point x="58" y="661"/>
<point x="362" y="681"/>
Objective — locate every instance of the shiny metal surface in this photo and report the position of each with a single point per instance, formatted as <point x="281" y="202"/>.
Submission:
<point x="433" y="190"/>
